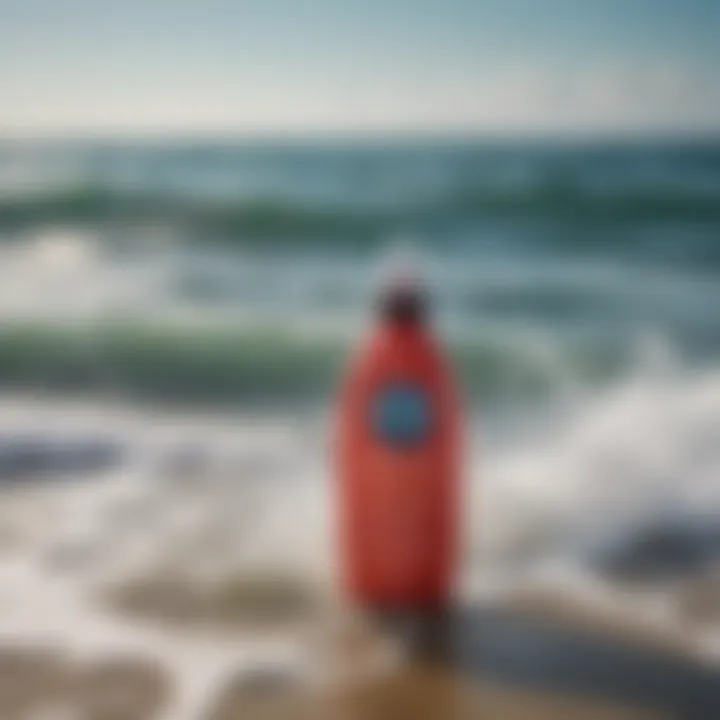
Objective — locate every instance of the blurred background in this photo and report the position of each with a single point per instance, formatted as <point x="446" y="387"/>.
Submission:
<point x="195" y="199"/>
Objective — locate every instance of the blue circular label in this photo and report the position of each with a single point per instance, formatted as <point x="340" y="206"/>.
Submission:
<point x="401" y="414"/>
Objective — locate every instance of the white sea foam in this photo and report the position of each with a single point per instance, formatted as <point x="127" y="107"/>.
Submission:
<point x="216" y="494"/>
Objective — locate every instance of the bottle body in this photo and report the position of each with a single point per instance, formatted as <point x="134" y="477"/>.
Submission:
<point x="398" y="464"/>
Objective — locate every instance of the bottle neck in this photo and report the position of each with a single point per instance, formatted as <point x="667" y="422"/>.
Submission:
<point x="403" y="326"/>
<point x="403" y="308"/>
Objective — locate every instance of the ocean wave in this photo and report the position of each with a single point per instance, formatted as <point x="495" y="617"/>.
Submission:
<point x="246" y="219"/>
<point x="166" y="362"/>
<point x="280" y="218"/>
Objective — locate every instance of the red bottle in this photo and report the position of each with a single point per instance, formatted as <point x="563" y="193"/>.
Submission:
<point x="398" y="450"/>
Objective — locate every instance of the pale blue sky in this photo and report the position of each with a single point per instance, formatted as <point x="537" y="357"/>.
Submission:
<point x="290" y="66"/>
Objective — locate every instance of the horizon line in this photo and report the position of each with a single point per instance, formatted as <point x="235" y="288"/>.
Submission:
<point x="634" y="135"/>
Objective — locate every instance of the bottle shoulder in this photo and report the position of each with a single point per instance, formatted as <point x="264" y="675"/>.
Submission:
<point x="387" y="357"/>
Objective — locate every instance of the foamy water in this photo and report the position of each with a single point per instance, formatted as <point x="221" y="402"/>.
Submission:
<point x="214" y="496"/>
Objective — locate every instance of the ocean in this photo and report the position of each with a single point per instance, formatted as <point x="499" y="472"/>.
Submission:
<point x="550" y="265"/>
<point x="176" y="310"/>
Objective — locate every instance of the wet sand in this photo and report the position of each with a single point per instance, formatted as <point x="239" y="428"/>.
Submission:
<point x="498" y="664"/>
<point x="551" y="655"/>
<point x="493" y="663"/>
<point x="416" y="692"/>
<point x="37" y="682"/>
<point x="533" y="655"/>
